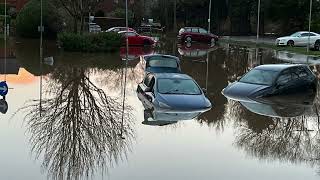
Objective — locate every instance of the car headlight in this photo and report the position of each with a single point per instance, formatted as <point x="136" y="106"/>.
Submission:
<point x="164" y="105"/>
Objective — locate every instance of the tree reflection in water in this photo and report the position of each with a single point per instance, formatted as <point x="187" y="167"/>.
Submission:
<point x="78" y="130"/>
<point x="294" y="139"/>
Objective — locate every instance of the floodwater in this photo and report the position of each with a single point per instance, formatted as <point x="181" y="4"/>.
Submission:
<point x="66" y="120"/>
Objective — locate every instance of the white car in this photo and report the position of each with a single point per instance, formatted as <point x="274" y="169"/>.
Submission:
<point x="118" y="29"/>
<point x="300" y="38"/>
<point x="316" y="45"/>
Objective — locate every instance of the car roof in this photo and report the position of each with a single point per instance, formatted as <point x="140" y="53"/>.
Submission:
<point x="172" y="76"/>
<point x="147" y="57"/>
<point x="277" y="67"/>
<point x="121" y="32"/>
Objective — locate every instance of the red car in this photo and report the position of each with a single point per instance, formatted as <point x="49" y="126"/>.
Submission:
<point x="136" y="39"/>
<point x="189" y="34"/>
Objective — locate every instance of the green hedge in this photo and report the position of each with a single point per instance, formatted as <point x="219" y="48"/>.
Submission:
<point x="100" y="42"/>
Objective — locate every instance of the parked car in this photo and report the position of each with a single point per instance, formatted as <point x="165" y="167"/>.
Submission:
<point x="136" y="39"/>
<point x="271" y="80"/>
<point x="160" y="63"/>
<point x="172" y="92"/>
<point x="135" y="52"/>
<point x="315" y="45"/>
<point x="117" y="29"/>
<point x="189" y="34"/>
<point x="300" y="38"/>
<point x="155" y="118"/>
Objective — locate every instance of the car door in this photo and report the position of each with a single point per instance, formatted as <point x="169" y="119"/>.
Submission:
<point x="132" y="39"/>
<point x="303" y="39"/>
<point x="145" y="90"/>
<point x="204" y="35"/>
<point x="195" y="34"/>
<point x="282" y="84"/>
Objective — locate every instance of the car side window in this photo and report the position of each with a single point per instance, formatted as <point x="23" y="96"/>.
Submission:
<point x="302" y="72"/>
<point x="130" y="34"/>
<point x="305" y="34"/>
<point x="311" y="34"/>
<point x="202" y="31"/>
<point x="195" y="30"/>
<point x="188" y="30"/>
<point x="152" y="82"/>
<point x="284" y="78"/>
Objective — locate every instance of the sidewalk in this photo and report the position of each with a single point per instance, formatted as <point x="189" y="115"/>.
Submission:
<point x="251" y="39"/>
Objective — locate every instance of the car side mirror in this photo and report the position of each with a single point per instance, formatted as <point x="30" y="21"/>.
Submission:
<point x="204" y="90"/>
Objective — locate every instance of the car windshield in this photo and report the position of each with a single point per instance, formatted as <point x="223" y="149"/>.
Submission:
<point x="178" y="86"/>
<point x="257" y="76"/>
<point x="162" y="62"/>
<point x="295" y="34"/>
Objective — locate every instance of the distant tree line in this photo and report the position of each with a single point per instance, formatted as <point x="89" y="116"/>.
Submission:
<point x="240" y="16"/>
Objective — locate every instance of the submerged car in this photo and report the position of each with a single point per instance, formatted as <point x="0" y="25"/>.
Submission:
<point x="136" y="39"/>
<point x="300" y="38"/>
<point x="271" y="80"/>
<point x="171" y="92"/>
<point x="189" y="34"/>
<point x="160" y="63"/>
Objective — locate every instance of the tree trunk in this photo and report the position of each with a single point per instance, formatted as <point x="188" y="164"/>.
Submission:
<point x="81" y="24"/>
<point x="75" y="25"/>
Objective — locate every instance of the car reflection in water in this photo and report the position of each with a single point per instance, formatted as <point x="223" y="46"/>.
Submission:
<point x="282" y="106"/>
<point x="135" y="52"/>
<point x="155" y="118"/>
<point x="195" y="51"/>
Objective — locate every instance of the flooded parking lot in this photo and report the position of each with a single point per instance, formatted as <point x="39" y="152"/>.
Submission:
<point x="66" y="119"/>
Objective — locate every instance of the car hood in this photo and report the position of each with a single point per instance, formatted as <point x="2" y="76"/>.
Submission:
<point x="242" y="91"/>
<point x="185" y="102"/>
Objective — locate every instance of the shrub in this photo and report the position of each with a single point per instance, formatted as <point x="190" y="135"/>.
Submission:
<point x="101" y="42"/>
<point x="28" y="19"/>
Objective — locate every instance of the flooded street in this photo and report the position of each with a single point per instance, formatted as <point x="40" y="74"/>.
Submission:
<point x="66" y="119"/>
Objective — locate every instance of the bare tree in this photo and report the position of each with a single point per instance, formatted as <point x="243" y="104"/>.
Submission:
<point x="78" y="126"/>
<point x="78" y="10"/>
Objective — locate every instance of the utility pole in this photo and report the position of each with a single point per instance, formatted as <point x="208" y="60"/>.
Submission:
<point x="258" y="23"/>
<point x="209" y="18"/>
<point x="175" y="15"/>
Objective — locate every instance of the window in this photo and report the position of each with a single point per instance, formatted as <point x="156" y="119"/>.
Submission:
<point x="307" y="34"/>
<point x="284" y="78"/>
<point x="258" y="76"/>
<point x="162" y="62"/>
<point x="301" y="72"/>
<point x="203" y="31"/>
<point x="195" y="30"/>
<point x="178" y="86"/>
<point x="131" y="34"/>
<point x="188" y="30"/>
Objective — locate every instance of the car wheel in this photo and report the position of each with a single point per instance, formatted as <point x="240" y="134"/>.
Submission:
<point x="290" y="43"/>
<point x="189" y="39"/>
<point x="317" y="45"/>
